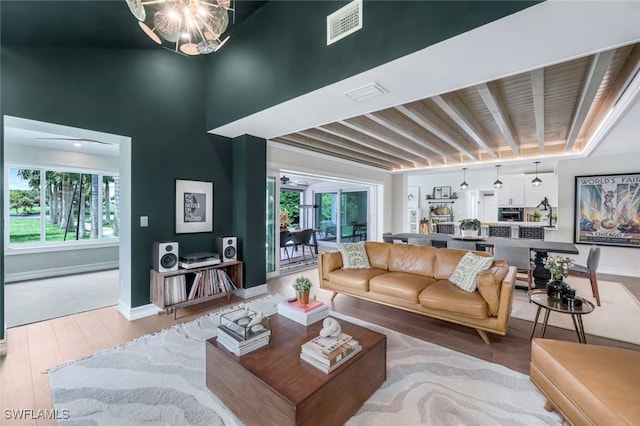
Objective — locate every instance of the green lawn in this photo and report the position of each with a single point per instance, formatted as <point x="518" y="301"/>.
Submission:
<point x="28" y="231"/>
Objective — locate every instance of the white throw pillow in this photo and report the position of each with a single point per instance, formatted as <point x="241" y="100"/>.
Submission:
<point x="354" y="256"/>
<point x="466" y="274"/>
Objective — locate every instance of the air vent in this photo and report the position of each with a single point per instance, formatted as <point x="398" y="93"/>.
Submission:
<point x="365" y="92"/>
<point x="344" y="21"/>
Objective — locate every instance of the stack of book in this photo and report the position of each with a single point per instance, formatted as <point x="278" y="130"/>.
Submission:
<point x="305" y="315"/>
<point x="240" y="339"/>
<point x="328" y="353"/>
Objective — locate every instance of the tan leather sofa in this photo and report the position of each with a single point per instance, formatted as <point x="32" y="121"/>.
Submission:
<point x="415" y="278"/>
<point x="588" y="384"/>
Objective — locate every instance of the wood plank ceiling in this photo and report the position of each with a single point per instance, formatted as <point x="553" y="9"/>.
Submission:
<point x="544" y="112"/>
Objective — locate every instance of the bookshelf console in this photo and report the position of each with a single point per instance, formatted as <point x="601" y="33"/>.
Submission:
<point x="173" y="290"/>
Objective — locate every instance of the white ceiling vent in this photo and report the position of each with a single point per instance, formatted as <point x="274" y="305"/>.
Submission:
<point x="365" y="92"/>
<point x="344" y="21"/>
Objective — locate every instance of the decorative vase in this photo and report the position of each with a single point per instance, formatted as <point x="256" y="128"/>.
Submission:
<point x="303" y="298"/>
<point x="556" y="288"/>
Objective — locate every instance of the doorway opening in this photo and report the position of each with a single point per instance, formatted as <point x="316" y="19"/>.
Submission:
<point x="67" y="210"/>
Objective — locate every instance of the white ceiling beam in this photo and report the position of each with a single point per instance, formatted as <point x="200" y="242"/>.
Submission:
<point x="597" y="70"/>
<point x="492" y="99"/>
<point x="383" y="138"/>
<point x="461" y="115"/>
<point x="537" y="88"/>
<point x="434" y="124"/>
<point x="346" y="153"/>
<point x="407" y="134"/>
<point x="338" y="139"/>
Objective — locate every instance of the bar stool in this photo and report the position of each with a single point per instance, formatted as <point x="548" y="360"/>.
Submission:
<point x="531" y="232"/>
<point x="444" y="228"/>
<point x="500" y="231"/>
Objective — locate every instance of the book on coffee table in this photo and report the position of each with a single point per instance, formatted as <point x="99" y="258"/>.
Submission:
<point x="332" y="357"/>
<point x="239" y="350"/>
<point x="329" y="368"/>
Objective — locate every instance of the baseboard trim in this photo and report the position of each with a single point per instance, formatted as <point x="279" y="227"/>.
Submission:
<point x="3" y="346"/>
<point x="56" y="272"/>
<point x="138" y="312"/>
<point x="247" y="293"/>
<point x="619" y="271"/>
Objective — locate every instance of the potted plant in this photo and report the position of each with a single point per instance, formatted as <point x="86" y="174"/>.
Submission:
<point x="536" y="216"/>
<point x="469" y="227"/>
<point x="302" y="286"/>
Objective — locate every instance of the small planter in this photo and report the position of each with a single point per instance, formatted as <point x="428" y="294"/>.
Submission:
<point x="303" y="298"/>
<point x="469" y="232"/>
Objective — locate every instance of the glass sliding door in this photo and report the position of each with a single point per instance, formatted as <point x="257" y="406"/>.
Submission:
<point x="354" y="215"/>
<point x="342" y="215"/>
<point x="270" y="245"/>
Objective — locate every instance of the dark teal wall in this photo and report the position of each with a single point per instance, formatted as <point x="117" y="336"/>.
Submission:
<point x="153" y="96"/>
<point x="250" y="204"/>
<point x="281" y="53"/>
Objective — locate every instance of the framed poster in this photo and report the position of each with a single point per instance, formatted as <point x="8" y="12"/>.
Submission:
<point x="607" y="210"/>
<point x="194" y="206"/>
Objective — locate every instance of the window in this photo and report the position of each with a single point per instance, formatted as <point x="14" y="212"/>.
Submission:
<point x="346" y="218"/>
<point x="64" y="206"/>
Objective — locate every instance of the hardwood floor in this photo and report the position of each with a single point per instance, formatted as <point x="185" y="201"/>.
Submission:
<point x="35" y="348"/>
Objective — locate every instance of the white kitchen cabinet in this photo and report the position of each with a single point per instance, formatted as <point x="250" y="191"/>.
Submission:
<point x="533" y="195"/>
<point x="512" y="192"/>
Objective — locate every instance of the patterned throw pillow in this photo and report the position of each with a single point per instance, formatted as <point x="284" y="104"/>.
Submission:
<point x="466" y="274"/>
<point x="354" y="255"/>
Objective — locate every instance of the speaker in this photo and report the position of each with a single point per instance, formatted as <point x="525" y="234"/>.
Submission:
<point x="227" y="248"/>
<point x="165" y="256"/>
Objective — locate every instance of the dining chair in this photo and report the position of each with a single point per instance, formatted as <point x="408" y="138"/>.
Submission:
<point x="285" y="240"/>
<point x="417" y="241"/>
<point x="461" y="245"/>
<point x="303" y="239"/>
<point x="531" y="232"/>
<point x="520" y="257"/>
<point x="589" y="271"/>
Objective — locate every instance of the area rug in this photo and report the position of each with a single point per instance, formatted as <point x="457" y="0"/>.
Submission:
<point x="617" y="318"/>
<point x="159" y="379"/>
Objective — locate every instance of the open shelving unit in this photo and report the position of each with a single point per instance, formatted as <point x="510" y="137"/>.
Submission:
<point x="171" y="290"/>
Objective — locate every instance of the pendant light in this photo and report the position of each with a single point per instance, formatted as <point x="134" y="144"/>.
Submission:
<point x="498" y="183"/>
<point x="537" y="181"/>
<point x="464" y="185"/>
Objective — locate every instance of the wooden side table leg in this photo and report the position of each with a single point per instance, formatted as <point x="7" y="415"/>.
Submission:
<point x="546" y="320"/>
<point x="581" y="328"/>
<point x="535" y="322"/>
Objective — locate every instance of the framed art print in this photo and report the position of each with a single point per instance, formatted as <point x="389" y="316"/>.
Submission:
<point x="194" y="206"/>
<point x="607" y="210"/>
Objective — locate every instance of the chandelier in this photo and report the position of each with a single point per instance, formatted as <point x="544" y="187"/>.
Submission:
<point x="191" y="27"/>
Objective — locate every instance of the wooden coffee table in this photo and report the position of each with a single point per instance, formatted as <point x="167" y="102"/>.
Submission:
<point x="272" y="385"/>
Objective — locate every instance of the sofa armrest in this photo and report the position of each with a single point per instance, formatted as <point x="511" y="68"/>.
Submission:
<point x="328" y="261"/>
<point x="490" y="284"/>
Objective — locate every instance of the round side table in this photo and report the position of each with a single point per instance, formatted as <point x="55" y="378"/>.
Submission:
<point x="540" y="298"/>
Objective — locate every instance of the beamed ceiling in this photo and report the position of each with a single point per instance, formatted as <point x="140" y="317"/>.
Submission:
<point x="544" y="112"/>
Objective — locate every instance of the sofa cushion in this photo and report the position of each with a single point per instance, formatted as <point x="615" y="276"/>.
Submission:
<point x="445" y="296"/>
<point x="353" y="278"/>
<point x="466" y="273"/>
<point x="412" y="259"/>
<point x="378" y="254"/>
<point x="354" y="255"/>
<point x="400" y="284"/>
<point x="447" y="260"/>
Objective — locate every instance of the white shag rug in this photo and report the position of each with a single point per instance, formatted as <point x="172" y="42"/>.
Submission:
<point x="159" y="379"/>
